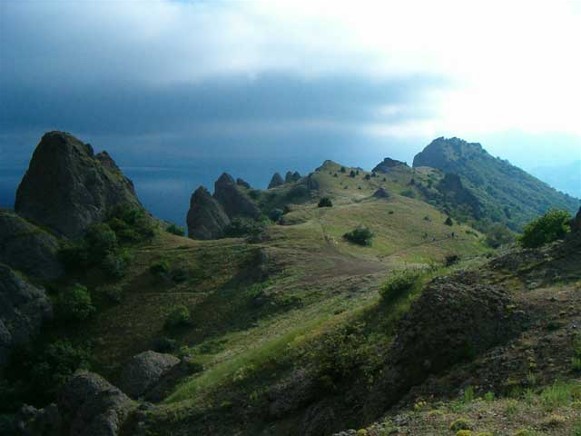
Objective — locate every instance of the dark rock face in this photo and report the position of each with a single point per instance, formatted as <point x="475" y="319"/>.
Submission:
<point x="31" y="421"/>
<point x="206" y="218"/>
<point x="291" y="177"/>
<point x="381" y="193"/>
<point x="243" y="183"/>
<point x="144" y="371"/>
<point x="388" y="164"/>
<point x="67" y="188"/>
<point x="276" y="180"/>
<point x="91" y="406"/>
<point x="23" y="309"/>
<point x="27" y="248"/>
<point x="454" y="191"/>
<point x="235" y="202"/>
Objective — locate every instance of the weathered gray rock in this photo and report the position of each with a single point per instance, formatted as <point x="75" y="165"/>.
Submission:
<point x="28" y="248"/>
<point x="381" y="193"/>
<point x="31" y="421"/>
<point x="67" y="188"/>
<point x="90" y="405"/>
<point x="236" y="203"/>
<point x="291" y="177"/>
<point x="144" y="371"/>
<point x="23" y="309"/>
<point x="206" y="218"/>
<point x="388" y="164"/>
<point x="243" y="183"/>
<point x="276" y="180"/>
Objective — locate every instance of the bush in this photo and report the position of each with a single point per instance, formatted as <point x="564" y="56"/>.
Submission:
<point x="497" y="235"/>
<point x="449" y="221"/>
<point x="174" y="229"/>
<point x="178" y="317"/>
<point x="115" y="264"/>
<point x="325" y="202"/>
<point x="548" y="228"/>
<point x="101" y="240"/>
<point x="74" y="304"/>
<point x="461" y="424"/>
<point x="57" y="363"/>
<point x="111" y="293"/>
<point x="275" y="215"/>
<point x="160" y="268"/>
<point x="399" y="284"/>
<point x="244" y="227"/>
<point x="131" y="224"/>
<point x="361" y="236"/>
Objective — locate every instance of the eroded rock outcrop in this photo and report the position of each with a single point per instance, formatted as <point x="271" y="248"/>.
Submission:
<point x="90" y="405"/>
<point x="576" y="222"/>
<point x="291" y="177"/>
<point x="28" y="248"/>
<point x="236" y="203"/>
<point x="144" y="371"/>
<point x="23" y="309"/>
<point x="381" y="193"/>
<point x="388" y="164"/>
<point x="206" y="218"/>
<point x="276" y="180"/>
<point x="67" y="188"/>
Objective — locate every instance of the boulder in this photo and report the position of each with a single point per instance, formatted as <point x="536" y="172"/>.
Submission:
<point x="276" y="180"/>
<point x="31" y="421"/>
<point x="388" y="164"/>
<point x="67" y="188"/>
<point x="28" y="248"/>
<point x="144" y="371"/>
<point x="90" y="405"/>
<point x="206" y="218"/>
<point x="236" y="203"/>
<point x="23" y="309"/>
<point x="381" y="193"/>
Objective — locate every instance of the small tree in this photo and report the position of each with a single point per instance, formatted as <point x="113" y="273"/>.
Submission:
<point x="74" y="304"/>
<point x="174" y="229"/>
<point x="178" y="317"/>
<point x="361" y="236"/>
<point x="548" y="228"/>
<point x="325" y="202"/>
<point x="449" y="221"/>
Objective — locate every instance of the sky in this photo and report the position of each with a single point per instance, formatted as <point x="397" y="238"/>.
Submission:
<point x="257" y="86"/>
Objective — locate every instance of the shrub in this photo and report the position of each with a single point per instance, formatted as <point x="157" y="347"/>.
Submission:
<point x="74" y="304"/>
<point x="115" y="264"/>
<point x="160" y="268"/>
<point x="244" y="227"/>
<point x="164" y="345"/>
<point x="361" y="236"/>
<point x="409" y="193"/>
<point x="178" y="317"/>
<point x="449" y="221"/>
<point x="325" y="202"/>
<point x="174" y="229"/>
<point x="367" y="177"/>
<point x="399" y="284"/>
<point x="343" y="169"/>
<point x="131" y="224"/>
<point x="461" y="424"/>
<point x="101" y="241"/>
<point x="57" y="363"/>
<point x="351" y="173"/>
<point x="497" y="235"/>
<point x="548" y="228"/>
<point x="275" y="215"/>
<point x="111" y="293"/>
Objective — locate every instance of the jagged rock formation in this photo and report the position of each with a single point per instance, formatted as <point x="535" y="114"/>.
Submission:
<point x="276" y="180"/>
<point x="455" y="193"/>
<point x="144" y="371"/>
<point x="243" y="183"/>
<point x="381" y="193"/>
<point x="291" y="177"/>
<point x="90" y="405"/>
<point x="387" y="165"/>
<point x="206" y="218"/>
<point x="27" y="248"/>
<point x="235" y="202"/>
<point x="67" y="188"/>
<point x="23" y="309"/>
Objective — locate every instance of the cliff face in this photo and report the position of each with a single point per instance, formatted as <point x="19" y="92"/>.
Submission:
<point x="206" y="218"/>
<point x="67" y="188"/>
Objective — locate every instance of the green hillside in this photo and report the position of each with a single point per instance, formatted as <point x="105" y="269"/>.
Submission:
<point x="491" y="189"/>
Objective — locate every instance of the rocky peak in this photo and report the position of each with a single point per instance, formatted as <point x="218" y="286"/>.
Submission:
<point x="388" y="164"/>
<point x="291" y="177"/>
<point x="235" y="201"/>
<point x="243" y="183"/>
<point x="67" y="188"/>
<point x="276" y="180"/>
<point x="206" y="218"/>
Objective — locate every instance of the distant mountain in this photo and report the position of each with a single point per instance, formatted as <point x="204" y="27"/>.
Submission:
<point x="489" y="189"/>
<point x="565" y="178"/>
